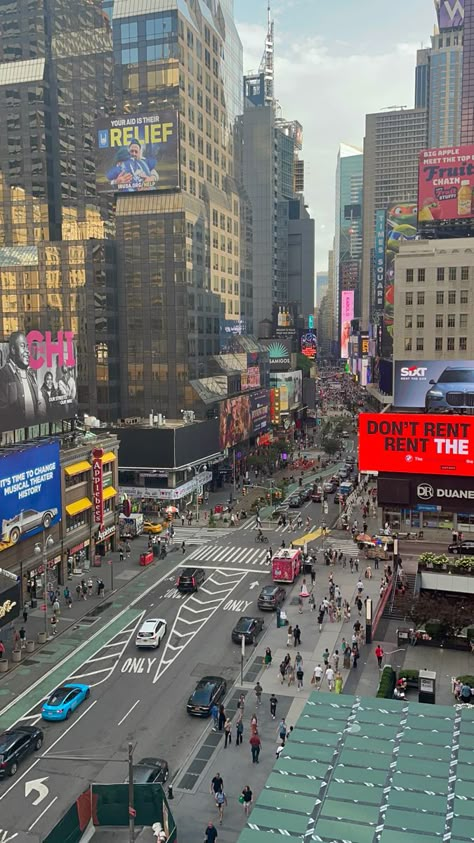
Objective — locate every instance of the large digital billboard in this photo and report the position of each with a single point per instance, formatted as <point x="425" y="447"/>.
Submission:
<point x="434" y="385"/>
<point x="445" y="184"/>
<point x="259" y="410"/>
<point x="379" y="260"/>
<point x="426" y="492"/>
<point x="279" y="353"/>
<point x="400" y="220"/>
<point x="38" y="378"/>
<point x="30" y="492"/>
<point x="290" y="385"/>
<point x="347" y="315"/>
<point x="407" y="443"/>
<point x="138" y="152"/>
<point x="243" y="416"/>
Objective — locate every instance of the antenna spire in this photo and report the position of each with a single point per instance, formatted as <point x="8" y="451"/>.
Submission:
<point x="266" y="65"/>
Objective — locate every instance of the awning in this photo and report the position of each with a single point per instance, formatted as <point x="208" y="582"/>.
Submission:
<point x="109" y="492"/>
<point x="78" y="506"/>
<point x="77" y="468"/>
<point x="109" y="457"/>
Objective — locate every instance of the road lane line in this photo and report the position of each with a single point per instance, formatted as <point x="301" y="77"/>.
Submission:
<point x="104" y="658"/>
<point x="43" y="813"/>
<point x="91" y="673"/>
<point x="128" y="712"/>
<point x="114" y="644"/>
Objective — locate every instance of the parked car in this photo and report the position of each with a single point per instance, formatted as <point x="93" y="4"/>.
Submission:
<point x="16" y="744"/>
<point x="190" y="579"/>
<point x="465" y="547"/>
<point x="151" y="633"/>
<point x="150" y="771"/>
<point x="64" y="700"/>
<point x="26" y="520"/>
<point x="248" y="628"/>
<point x="209" y="690"/>
<point x="454" y="389"/>
<point x="271" y="597"/>
<point x="152" y="528"/>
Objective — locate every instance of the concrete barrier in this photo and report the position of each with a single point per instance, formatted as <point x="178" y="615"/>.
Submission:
<point x="30" y="646"/>
<point x="3" y="665"/>
<point x="16" y="656"/>
<point x="42" y="637"/>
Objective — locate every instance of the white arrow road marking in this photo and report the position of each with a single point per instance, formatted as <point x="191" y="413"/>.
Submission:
<point x="38" y="786"/>
<point x="254" y="584"/>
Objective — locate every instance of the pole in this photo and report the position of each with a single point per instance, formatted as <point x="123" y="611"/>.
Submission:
<point x="45" y="595"/>
<point x="196" y="472"/>
<point x="242" y="656"/>
<point x="131" y="801"/>
<point x="233" y="455"/>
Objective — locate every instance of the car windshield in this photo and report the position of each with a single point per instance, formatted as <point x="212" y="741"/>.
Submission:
<point x="268" y="591"/>
<point x="58" y="696"/>
<point x="243" y="624"/>
<point x="457" y="376"/>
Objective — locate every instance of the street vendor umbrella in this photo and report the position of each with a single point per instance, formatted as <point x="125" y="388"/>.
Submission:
<point x="170" y="510"/>
<point x="364" y="537"/>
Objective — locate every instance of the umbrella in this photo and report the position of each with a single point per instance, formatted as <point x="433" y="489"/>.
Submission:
<point x="171" y="510"/>
<point x="364" y="537"/>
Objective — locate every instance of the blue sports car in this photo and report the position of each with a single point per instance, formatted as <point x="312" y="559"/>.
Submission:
<point x="64" y="700"/>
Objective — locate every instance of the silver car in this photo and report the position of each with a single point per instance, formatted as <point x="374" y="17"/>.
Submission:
<point x="26" y="520"/>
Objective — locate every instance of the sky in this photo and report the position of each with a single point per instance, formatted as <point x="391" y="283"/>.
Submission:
<point x="335" y="62"/>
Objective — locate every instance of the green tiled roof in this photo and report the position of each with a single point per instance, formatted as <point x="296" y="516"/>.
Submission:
<point x="365" y="770"/>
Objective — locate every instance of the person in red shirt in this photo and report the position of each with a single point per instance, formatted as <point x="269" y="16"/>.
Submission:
<point x="379" y="655"/>
<point x="255" y="744"/>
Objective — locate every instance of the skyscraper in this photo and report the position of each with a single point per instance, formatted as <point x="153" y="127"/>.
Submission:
<point x="348" y="228"/>
<point x="467" y="97"/>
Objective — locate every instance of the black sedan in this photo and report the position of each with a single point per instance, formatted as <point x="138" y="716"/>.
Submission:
<point x="209" y="690"/>
<point x="16" y="744"/>
<point x="248" y="628"/>
<point x="295" y="501"/>
<point x="150" y="771"/>
<point x="466" y="547"/>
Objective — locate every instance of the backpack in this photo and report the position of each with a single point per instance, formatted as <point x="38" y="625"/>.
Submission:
<point x="220" y="797"/>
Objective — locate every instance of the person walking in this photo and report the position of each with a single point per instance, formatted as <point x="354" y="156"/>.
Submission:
<point x="321" y="618"/>
<point x="330" y="678"/>
<point x="246" y="797"/>
<point x="222" y="717"/>
<point x="239" y="732"/>
<point x="255" y="745"/>
<point x="326" y="657"/>
<point x="379" y="655"/>
<point x="183" y="547"/>
<point x="317" y="675"/>
<point x="335" y="660"/>
<point x="289" y="637"/>
<point x="25" y="614"/>
<point x="267" y="659"/>
<point x="217" y="785"/>
<point x="53" y="623"/>
<point x="258" y="693"/>
<point x="56" y="607"/>
<point x="282" y="669"/>
<point x="297" y="636"/>
<point x="313" y="576"/>
<point x="253" y="725"/>
<point x="221" y="802"/>
<point x="273" y="706"/>
<point x="299" y="677"/>
<point x="355" y="655"/>
<point x="22" y="635"/>
<point x="227" y="732"/>
<point x="338" y="683"/>
<point x="215" y="717"/>
<point x="282" y="730"/>
<point x="210" y="833"/>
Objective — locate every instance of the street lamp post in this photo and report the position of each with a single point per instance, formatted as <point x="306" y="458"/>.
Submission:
<point x="47" y="541"/>
<point x="197" y="470"/>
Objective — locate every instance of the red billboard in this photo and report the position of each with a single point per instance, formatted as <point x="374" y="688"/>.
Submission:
<point x="98" y="482"/>
<point x="407" y="443"/>
<point x="446" y="184"/>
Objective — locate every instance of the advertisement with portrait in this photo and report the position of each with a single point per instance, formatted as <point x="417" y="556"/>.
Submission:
<point x="434" y="385"/>
<point x="235" y="423"/>
<point x="259" y="411"/>
<point x="445" y="184"/>
<point x="347" y="315"/>
<point x="279" y="353"/>
<point x="450" y="14"/>
<point x="290" y="385"/>
<point x="38" y="378"/>
<point x="407" y="443"/>
<point x="379" y="259"/>
<point x="30" y="492"/>
<point x="400" y="226"/>
<point x="138" y="152"/>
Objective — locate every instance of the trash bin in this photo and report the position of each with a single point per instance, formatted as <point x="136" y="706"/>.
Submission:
<point x="283" y="618"/>
<point x="156" y="549"/>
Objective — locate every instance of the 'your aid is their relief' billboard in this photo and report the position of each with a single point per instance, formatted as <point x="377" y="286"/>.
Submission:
<point x="446" y="184"/>
<point x="416" y="444"/>
<point x="30" y="492"/>
<point x="38" y="378"/>
<point x="138" y="152"/>
<point x="434" y="385"/>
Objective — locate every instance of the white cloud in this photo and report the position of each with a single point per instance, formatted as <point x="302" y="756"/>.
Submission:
<point x="330" y="91"/>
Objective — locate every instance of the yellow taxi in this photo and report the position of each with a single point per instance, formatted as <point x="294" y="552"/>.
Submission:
<point x="150" y="527"/>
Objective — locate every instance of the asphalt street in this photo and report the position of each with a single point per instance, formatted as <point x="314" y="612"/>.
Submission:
<point x="136" y="695"/>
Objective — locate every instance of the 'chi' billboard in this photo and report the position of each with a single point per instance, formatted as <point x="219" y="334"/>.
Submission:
<point x="138" y="152"/>
<point x="407" y="443"/>
<point x="434" y="385"/>
<point x="30" y="492"/>
<point x="38" y="378"/>
<point x="446" y="184"/>
<point x="347" y="315"/>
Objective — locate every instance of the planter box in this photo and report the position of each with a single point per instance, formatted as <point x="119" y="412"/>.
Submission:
<point x="30" y="646"/>
<point x="3" y="665"/>
<point x="42" y="637"/>
<point x="16" y="656"/>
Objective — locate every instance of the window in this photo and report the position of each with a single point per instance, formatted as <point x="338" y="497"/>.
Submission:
<point x="440" y="273"/>
<point x="130" y="56"/>
<point x="439" y="320"/>
<point x="452" y="297"/>
<point x="129" y="32"/>
<point x="451" y="320"/>
<point x="463" y="320"/>
<point x="408" y="298"/>
<point x="75" y="521"/>
<point x="438" y="343"/>
<point x="215" y="218"/>
<point x="421" y="276"/>
<point x="439" y="298"/>
<point x="452" y="273"/>
<point x="464" y="273"/>
<point x="408" y="344"/>
<point x="409" y="321"/>
<point x="419" y="343"/>
<point x="464" y="296"/>
<point x="450" y="345"/>
<point x="420" y="321"/>
<point x="462" y="343"/>
<point x="409" y="276"/>
<point x="420" y="298"/>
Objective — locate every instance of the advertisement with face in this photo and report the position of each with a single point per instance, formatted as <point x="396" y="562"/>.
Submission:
<point x="400" y="226"/>
<point x="30" y="492"/>
<point x="434" y="385"/>
<point x="235" y="423"/>
<point x="407" y="443"/>
<point x="138" y="152"/>
<point x="347" y="315"/>
<point x="445" y="184"/>
<point x="38" y="378"/>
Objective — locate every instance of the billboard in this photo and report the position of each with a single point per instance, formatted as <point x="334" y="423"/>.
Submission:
<point x="279" y="353"/>
<point x="38" y="378"/>
<point x="400" y="225"/>
<point x="309" y="344"/>
<point x="434" y="385"/>
<point x="242" y="416"/>
<point x="30" y="492"/>
<point x="427" y="493"/>
<point x="379" y="259"/>
<point x="284" y="320"/>
<point x="228" y="329"/>
<point x="445" y="184"/>
<point x="250" y="377"/>
<point x="259" y="411"/>
<point x="138" y="152"/>
<point x="290" y="385"/>
<point x="98" y="485"/>
<point x="410" y="443"/>
<point x="450" y="14"/>
<point x="347" y="315"/>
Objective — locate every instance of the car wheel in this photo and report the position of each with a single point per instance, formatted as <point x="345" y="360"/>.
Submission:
<point x="12" y="768"/>
<point x="68" y="714"/>
<point x="88" y="693"/>
<point x="47" y="520"/>
<point x="14" y="536"/>
<point x="38" y="744"/>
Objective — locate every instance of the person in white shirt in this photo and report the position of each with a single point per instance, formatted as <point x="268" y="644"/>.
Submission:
<point x="330" y="678"/>
<point x="317" y="675"/>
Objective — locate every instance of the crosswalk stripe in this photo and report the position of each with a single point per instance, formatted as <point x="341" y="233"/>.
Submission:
<point x="239" y="556"/>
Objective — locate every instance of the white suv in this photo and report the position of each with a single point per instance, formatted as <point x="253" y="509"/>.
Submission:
<point x="151" y="632"/>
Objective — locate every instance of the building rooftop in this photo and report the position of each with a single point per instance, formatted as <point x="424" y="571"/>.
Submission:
<point x="360" y="770"/>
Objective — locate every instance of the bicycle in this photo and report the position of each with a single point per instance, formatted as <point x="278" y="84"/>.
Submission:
<point x="262" y="539"/>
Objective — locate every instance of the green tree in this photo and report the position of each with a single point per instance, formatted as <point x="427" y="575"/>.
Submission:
<point x="330" y="446"/>
<point x="444" y="618"/>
